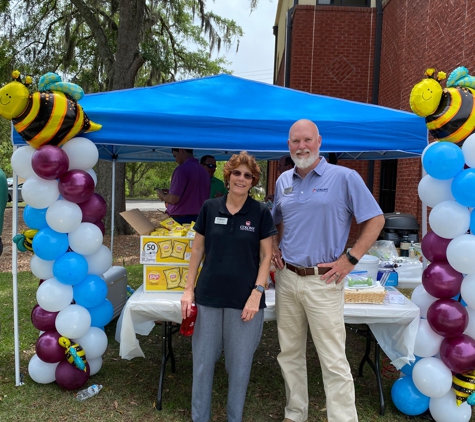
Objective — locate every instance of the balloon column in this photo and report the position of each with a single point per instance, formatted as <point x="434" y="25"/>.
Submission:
<point x="69" y="257"/>
<point x="442" y="379"/>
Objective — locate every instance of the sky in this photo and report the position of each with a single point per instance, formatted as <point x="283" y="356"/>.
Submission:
<point x="255" y="57"/>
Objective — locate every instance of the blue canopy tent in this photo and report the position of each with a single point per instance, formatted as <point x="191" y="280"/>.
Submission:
<point x="222" y="114"/>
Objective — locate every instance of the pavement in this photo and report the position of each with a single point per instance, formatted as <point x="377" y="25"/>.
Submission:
<point x="144" y="205"/>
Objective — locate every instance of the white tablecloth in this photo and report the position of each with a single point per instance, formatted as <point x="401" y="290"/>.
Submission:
<point x="394" y="326"/>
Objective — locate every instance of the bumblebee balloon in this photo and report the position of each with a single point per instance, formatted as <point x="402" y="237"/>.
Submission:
<point x="450" y="111"/>
<point x="49" y="116"/>
<point x="464" y="386"/>
<point x="75" y="354"/>
<point x="24" y="241"/>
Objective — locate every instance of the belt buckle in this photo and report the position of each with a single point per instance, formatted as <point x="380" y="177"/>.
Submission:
<point x="301" y="271"/>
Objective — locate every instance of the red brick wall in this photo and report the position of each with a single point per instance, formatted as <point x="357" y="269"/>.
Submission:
<point x="418" y="34"/>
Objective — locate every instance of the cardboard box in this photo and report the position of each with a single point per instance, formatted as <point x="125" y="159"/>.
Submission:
<point x="141" y="224"/>
<point x="165" y="278"/>
<point x="165" y="250"/>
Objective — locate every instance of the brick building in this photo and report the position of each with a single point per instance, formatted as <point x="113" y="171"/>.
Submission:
<point x="372" y="51"/>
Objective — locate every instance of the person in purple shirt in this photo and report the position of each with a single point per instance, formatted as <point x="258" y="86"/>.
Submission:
<point x="189" y="187"/>
<point x="313" y="209"/>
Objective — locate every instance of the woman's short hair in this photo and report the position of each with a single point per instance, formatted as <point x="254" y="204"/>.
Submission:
<point x="242" y="158"/>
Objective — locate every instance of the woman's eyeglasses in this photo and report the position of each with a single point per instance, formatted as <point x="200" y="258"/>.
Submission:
<point x="211" y="166"/>
<point x="237" y="173"/>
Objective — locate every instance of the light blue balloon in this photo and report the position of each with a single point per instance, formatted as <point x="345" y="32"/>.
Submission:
<point x="102" y="314"/>
<point x="443" y="160"/>
<point x="70" y="268"/>
<point x="35" y="218"/>
<point x="90" y="292"/>
<point x="407" y="368"/>
<point x="463" y="188"/>
<point x="49" y="244"/>
<point x="407" y="398"/>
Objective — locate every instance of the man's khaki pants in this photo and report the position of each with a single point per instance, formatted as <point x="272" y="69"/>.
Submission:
<point x="308" y="301"/>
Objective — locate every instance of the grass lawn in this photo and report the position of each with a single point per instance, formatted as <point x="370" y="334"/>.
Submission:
<point x="130" y="387"/>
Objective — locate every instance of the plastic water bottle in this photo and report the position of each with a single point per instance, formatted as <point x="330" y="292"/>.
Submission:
<point x="88" y="392"/>
<point x="188" y="324"/>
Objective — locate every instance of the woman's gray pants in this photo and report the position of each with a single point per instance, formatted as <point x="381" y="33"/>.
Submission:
<point x="217" y="329"/>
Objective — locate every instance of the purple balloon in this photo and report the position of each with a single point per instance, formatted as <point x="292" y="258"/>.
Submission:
<point x="76" y="186"/>
<point x="48" y="349"/>
<point x="43" y="320"/>
<point x="50" y="162"/>
<point x="94" y="209"/>
<point x="447" y="317"/>
<point x="458" y="353"/>
<point x="434" y="247"/>
<point x="101" y="226"/>
<point x="69" y="377"/>
<point x="441" y="280"/>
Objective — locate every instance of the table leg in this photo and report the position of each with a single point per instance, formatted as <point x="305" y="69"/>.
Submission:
<point x="167" y="352"/>
<point x="375" y="366"/>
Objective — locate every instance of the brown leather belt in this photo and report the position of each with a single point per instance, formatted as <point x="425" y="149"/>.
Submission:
<point x="303" y="271"/>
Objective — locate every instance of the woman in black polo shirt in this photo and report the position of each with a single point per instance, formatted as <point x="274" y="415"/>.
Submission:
<point x="234" y="235"/>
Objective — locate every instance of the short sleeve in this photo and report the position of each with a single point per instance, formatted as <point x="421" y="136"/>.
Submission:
<point x="267" y="226"/>
<point x="178" y="183"/>
<point x="200" y="223"/>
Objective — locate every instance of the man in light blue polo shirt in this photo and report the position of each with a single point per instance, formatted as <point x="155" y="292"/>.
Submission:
<point x="313" y="209"/>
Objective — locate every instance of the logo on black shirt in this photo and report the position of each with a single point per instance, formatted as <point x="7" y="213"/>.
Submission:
<point x="247" y="227"/>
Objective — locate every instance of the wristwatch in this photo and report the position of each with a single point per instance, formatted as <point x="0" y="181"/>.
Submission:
<point x="259" y="288"/>
<point x="352" y="259"/>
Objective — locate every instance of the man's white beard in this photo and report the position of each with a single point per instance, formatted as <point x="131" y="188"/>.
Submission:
<point x="304" y="163"/>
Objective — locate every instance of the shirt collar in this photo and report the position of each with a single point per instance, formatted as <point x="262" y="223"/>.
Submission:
<point x="244" y="210"/>
<point x="319" y="168"/>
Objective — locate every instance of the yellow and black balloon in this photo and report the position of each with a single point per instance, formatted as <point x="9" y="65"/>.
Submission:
<point x="464" y="387"/>
<point x="24" y="240"/>
<point x="75" y="354"/>
<point x="450" y="111"/>
<point x="50" y="116"/>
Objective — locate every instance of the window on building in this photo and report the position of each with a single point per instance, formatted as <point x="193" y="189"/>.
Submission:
<point x="387" y="185"/>
<point x="354" y="3"/>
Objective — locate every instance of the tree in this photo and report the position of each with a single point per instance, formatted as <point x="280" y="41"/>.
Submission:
<point x="112" y="45"/>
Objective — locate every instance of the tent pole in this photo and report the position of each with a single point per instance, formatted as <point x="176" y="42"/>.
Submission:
<point x="113" y="204"/>
<point x="424" y="222"/>
<point x="16" y="331"/>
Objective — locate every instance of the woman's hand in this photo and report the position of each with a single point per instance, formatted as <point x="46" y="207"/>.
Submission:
<point x="251" y="307"/>
<point x="186" y="300"/>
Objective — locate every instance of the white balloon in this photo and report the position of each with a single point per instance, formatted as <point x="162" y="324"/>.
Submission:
<point x="94" y="342"/>
<point x="93" y="174"/>
<point x="64" y="216"/>
<point x="41" y="372"/>
<point x="468" y="149"/>
<point x="99" y="262"/>
<point x="82" y="153"/>
<point x="54" y="296"/>
<point x="431" y="377"/>
<point x="21" y="162"/>
<point x="470" y="330"/>
<point x="95" y="365"/>
<point x="461" y="253"/>
<point x="86" y="239"/>
<point x="449" y="219"/>
<point x="467" y="290"/>
<point x="40" y="193"/>
<point x="445" y="409"/>
<point x="422" y="299"/>
<point x="73" y="321"/>
<point x="41" y="268"/>
<point x="433" y="191"/>
<point x="427" y="342"/>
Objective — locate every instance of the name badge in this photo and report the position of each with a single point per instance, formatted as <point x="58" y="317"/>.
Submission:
<point x="221" y="220"/>
<point x="288" y="190"/>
